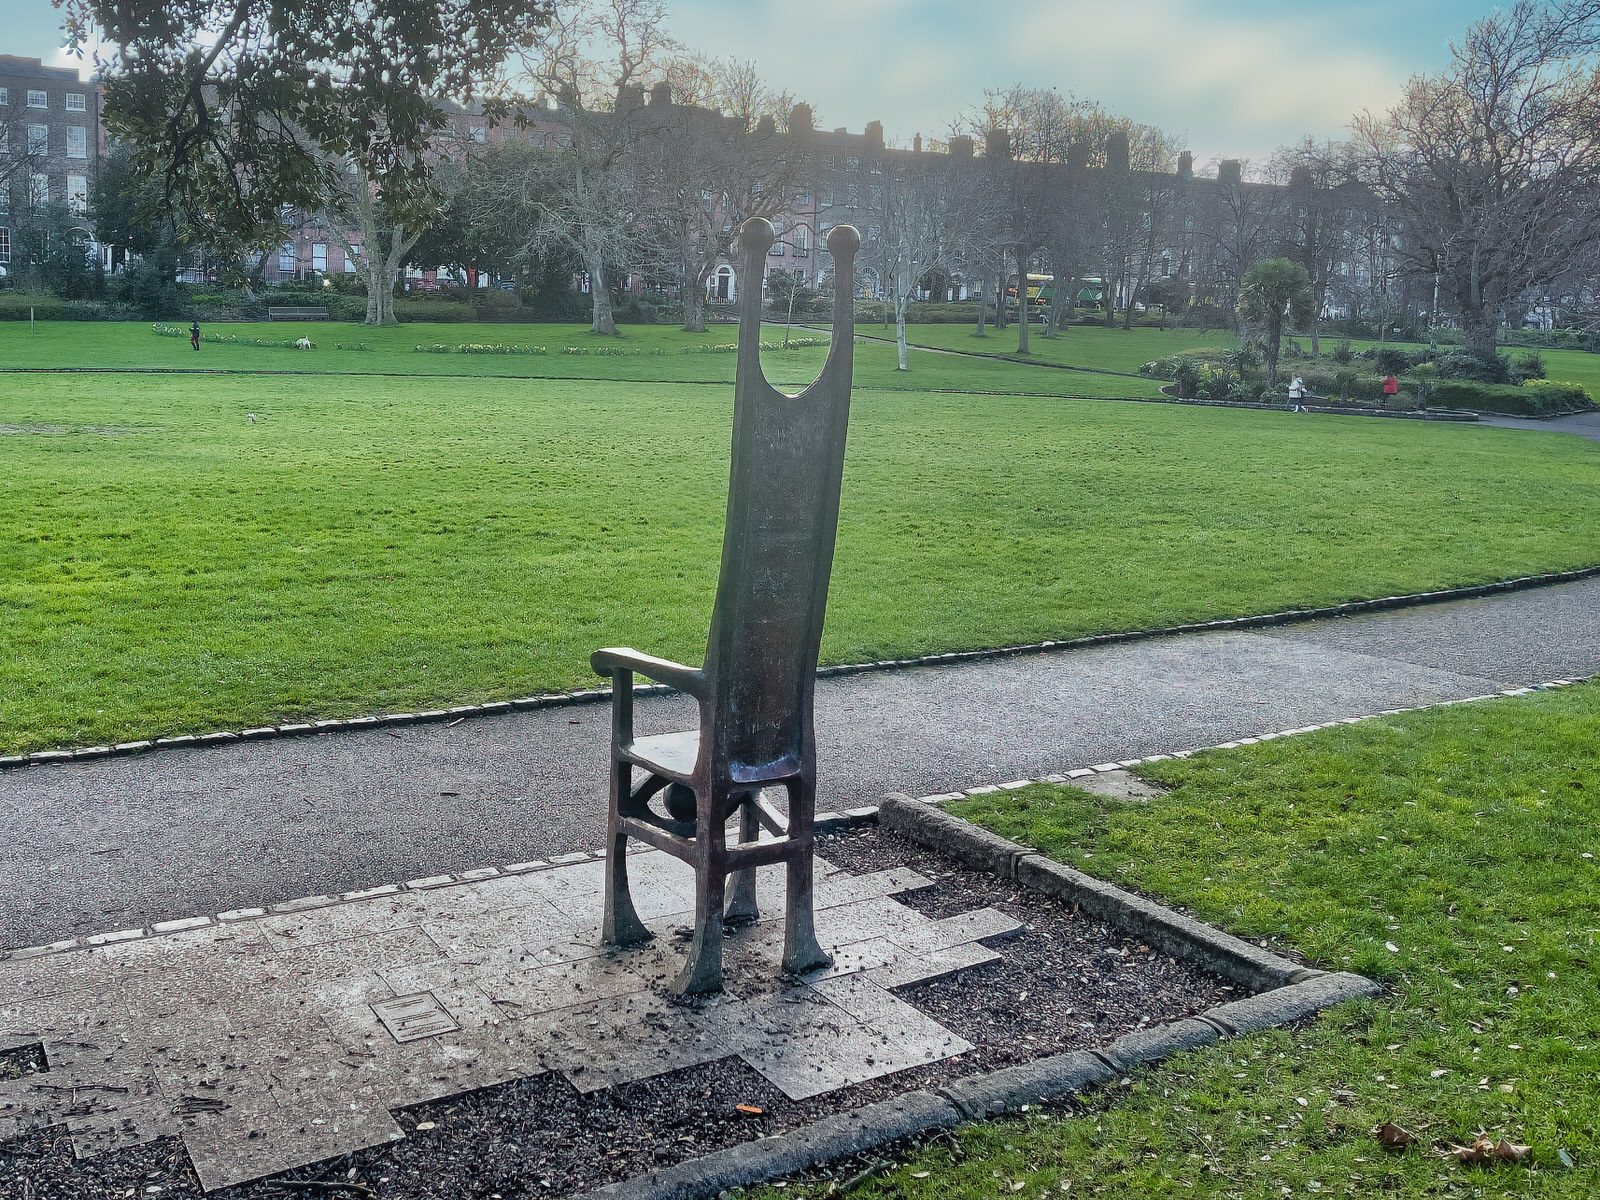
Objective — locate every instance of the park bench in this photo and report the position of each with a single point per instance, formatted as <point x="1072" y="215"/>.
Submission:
<point x="756" y="688"/>
<point x="297" y="314"/>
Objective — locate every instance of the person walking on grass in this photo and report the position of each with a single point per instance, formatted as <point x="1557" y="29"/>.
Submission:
<point x="194" y="333"/>
<point x="1391" y="389"/>
<point x="1297" y="394"/>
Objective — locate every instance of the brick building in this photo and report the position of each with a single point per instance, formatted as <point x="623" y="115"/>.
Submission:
<point x="51" y="145"/>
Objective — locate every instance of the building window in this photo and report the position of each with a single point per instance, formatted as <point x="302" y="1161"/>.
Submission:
<point x="286" y="258"/>
<point x="777" y="250"/>
<point x="37" y="100"/>
<point x="319" y="257"/>
<point x="802" y="196"/>
<point x="5" y="98"/>
<point x="5" y="198"/>
<point x="478" y="134"/>
<point x="536" y="138"/>
<point x="5" y="245"/>
<point x="350" y="259"/>
<point x="827" y="197"/>
<point x="802" y="240"/>
<point x="78" y="194"/>
<point x="77" y="141"/>
<point x="852" y="164"/>
<point x="5" y="140"/>
<point x="38" y="190"/>
<point x="38" y="139"/>
<point x="76" y="102"/>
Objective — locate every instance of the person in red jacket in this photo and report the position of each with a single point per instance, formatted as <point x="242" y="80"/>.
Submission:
<point x="1391" y="388"/>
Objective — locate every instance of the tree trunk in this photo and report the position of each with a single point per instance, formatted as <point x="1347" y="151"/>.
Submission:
<point x="1022" y="301"/>
<point x="694" y="307"/>
<point x="1274" y="341"/>
<point x="900" y="306"/>
<point x="983" y="315"/>
<point x="1000" y="302"/>
<point x="1480" y="332"/>
<point x="600" y="298"/>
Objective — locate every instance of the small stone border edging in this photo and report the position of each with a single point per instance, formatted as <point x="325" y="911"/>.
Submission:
<point x="1295" y="992"/>
<point x="597" y="695"/>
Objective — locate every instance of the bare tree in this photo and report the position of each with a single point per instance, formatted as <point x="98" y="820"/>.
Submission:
<point x="1324" y="205"/>
<point x="711" y="161"/>
<point x="1493" y="165"/>
<point x="595" y="59"/>
<point x="922" y="208"/>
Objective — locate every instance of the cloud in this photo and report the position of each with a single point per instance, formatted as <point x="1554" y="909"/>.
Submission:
<point x="1239" y="79"/>
<point x="83" y="62"/>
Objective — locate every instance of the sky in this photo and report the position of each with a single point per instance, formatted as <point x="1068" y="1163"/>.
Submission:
<point x="1233" y="78"/>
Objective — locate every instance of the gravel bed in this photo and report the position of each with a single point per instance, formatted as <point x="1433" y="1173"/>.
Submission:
<point x="1064" y="983"/>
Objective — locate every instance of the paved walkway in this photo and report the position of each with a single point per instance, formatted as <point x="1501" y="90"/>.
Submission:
<point x="103" y="845"/>
<point x="1583" y="424"/>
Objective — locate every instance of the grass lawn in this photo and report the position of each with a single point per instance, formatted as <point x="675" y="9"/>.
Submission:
<point x="382" y="543"/>
<point x="640" y="353"/>
<point x="1455" y="856"/>
<point x="1086" y="346"/>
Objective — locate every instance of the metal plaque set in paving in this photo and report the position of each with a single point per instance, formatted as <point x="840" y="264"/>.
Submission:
<point x="275" y="1041"/>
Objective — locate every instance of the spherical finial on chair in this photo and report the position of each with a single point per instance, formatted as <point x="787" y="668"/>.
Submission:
<point x="844" y="240"/>
<point x="756" y="236"/>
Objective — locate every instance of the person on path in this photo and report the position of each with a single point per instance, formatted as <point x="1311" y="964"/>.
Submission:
<point x="1391" y="388"/>
<point x="1297" y="394"/>
<point x="194" y="334"/>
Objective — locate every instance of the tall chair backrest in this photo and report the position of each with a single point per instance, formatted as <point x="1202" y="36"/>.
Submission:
<point x="783" y="514"/>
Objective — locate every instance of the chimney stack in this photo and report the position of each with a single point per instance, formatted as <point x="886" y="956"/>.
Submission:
<point x="1230" y="172"/>
<point x="1117" y="151"/>
<point x="961" y="147"/>
<point x="1185" y="165"/>
<point x="997" y="144"/>
<point x="874" y="133"/>
<point x="1077" y="157"/>
<point x="800" y="119"/>
<point x="661" y="94"/>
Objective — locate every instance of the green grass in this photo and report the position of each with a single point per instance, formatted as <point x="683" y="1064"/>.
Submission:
<point x="1468" y="839"/>
<point x="385" y="543"/>
<point x="134" y="346"/>
<point x="1089" y="347"/>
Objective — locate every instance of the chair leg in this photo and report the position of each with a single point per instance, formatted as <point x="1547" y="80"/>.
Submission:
<point x="742" y="908"/>
<point x="801" y="950"/>
<point x="621" y="925"/>
<point x="702" y="972"/>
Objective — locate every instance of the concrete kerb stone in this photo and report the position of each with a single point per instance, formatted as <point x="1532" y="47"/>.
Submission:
<point x="1280" y="1006"/>
<point x="1053" y="1078"/>
<point x="596" y="695"/>
<point x="832" y="1138"/>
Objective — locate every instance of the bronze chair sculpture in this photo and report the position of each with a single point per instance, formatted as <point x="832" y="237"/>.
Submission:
<point x="755" y="690"/>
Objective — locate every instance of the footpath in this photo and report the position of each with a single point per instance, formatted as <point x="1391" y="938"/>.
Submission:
<point x="110" y="844"/>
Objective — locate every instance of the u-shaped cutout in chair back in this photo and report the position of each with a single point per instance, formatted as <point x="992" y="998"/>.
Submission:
<point x="756" y="236"/>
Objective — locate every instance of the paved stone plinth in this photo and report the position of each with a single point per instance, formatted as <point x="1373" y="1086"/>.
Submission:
<point x="274" y="1039"/>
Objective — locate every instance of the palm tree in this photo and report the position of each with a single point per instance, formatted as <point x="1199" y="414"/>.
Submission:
<point x="1275" y="291"/>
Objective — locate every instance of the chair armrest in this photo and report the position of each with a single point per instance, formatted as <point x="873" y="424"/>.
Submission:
<point x="623" y="658"/>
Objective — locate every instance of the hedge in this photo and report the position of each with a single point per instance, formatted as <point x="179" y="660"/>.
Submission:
<point x="1536" y="398"/>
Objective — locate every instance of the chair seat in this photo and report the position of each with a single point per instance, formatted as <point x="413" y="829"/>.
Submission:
<point x="673" y="755"/>
<point x="669" y="754"/>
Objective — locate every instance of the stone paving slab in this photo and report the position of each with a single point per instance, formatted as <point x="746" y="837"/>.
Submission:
<point x="274" y="1041"/>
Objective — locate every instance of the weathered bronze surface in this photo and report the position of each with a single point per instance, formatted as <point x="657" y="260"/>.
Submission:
<point x="755" y="690"/>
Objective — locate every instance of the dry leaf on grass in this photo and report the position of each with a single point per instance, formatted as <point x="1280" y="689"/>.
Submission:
<point x="1391" y="1137"/>
<point x="1483" y="1151"/>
